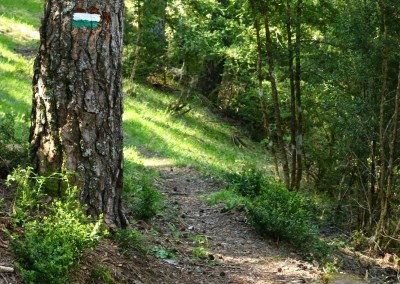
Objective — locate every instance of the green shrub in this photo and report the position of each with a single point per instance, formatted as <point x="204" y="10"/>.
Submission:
<point x="55" y="235"/>
<point x="282" y="214"/>
<point x="248" y="182"/>
<point x="29" y="192"/>
<point x="146" y="201"/>
<point x="128" y="240"/>
<point x="103" y="274"/>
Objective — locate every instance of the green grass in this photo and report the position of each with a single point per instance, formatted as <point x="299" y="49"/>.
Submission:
<point x="197" y="139"/>
<point x="19" y="39"/>
<point x="23" y="11"/>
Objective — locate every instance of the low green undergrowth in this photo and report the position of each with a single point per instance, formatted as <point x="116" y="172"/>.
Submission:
<point x="102" y="274"/>
<point x="273" y="210"/>
<point x="55" y="233"/>
<point x="144" y="201"/>
<point x="128" y="240"/>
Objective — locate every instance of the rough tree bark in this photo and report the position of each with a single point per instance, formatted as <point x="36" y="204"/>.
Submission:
<point x="76" y="121"/>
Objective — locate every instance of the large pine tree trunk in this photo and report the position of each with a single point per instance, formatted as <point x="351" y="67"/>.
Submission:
<point x="77" y="101"/>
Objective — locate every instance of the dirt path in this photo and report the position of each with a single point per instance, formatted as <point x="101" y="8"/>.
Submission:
<point x="242" y="255"/>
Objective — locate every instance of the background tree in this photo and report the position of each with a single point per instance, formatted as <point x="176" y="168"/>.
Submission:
<point x="148" y="20"/>
<point x="77" y="101"/>
<point x="316" y="80"/>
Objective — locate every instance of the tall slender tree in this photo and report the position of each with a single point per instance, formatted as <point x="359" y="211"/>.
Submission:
<point x="274" y="95"/>
<point x="260" y="77"/>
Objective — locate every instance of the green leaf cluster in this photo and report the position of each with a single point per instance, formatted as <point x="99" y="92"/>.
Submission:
<point x="55" y="235"/>
<point x="146" y="201"/>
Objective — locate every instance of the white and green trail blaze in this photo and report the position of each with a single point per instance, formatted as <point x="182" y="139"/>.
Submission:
<point x="85" y="20"/>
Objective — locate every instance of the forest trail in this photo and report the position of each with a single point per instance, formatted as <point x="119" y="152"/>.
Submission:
<point x="242" y="256"/>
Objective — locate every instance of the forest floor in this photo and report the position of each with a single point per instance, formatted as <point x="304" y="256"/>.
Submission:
<point x="192" y="242"/>
<point x="228" y="249"/>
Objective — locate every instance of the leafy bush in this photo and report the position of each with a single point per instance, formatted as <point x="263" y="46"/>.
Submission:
<point x="248" y="182"/>
<point x="29" y="192"/>
<point x="146" y="202"/>
<point x="128" y="240"/>
<point x="55" y="235"/>
<point x="102" y="274"/>
<point x="280" y="213"/>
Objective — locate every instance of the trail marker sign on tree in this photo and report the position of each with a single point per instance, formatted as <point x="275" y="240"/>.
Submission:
<point x="85" y="20"/>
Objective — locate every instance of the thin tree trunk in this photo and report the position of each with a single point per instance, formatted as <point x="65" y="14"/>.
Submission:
<point x="299" y="111"/>
<point x="372" y="190"/>
<point x="263" y="106"/>
<point x="137" y="46"/>
<point x="392" y="147"/>
<point x="275" y="97"/>
<point x="76" y="121"/>
<point x="382" y="126"/>
<point x="293" y="120"/>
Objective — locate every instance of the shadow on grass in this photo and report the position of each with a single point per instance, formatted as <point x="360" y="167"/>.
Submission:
<point x="184" y="148"/>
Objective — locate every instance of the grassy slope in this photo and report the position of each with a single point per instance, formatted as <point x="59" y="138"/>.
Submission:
<point x="197" y="139"/>
<point x="19" y="22"/>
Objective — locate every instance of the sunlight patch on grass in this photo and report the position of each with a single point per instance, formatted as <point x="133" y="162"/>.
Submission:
<point x="196" y="139"/>
<point x="15" y="93"/>
<point x="16" y="70"/>
<point x="18" y="31"/>
<point x="157" y="163"/>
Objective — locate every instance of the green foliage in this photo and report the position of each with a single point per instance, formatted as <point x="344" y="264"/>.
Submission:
<point x="103" y="274"/>
<point x="248" y="182"/>
<point x="359" y="240"/>
<point x="147" y="200"/>
<point x="197" y="139"/>
<point x="174" y="231"/>
<point x="29" y="192"/>
<point x="55" y="235"/>
<point x="272" y="209"/>
<point x="129" y="239"/>
<point x="282" y="214"/>
<point x="163" y="253"/>
<point x="200" y="250"/>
